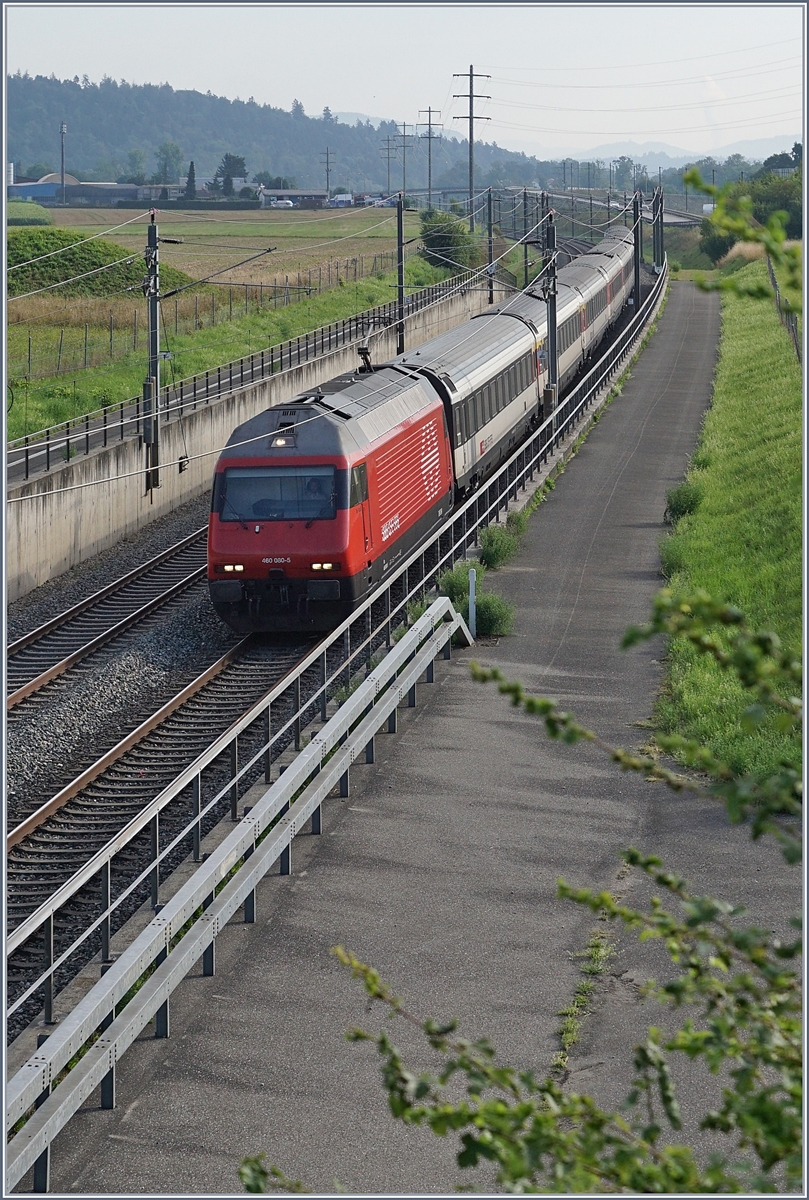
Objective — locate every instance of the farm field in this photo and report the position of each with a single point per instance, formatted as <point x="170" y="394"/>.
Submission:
<point x="78" y="390"/>
<point x="303" y="239"/>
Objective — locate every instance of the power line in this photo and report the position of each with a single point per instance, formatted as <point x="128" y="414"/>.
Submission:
<point x="663" y="62"/>
<point x="107" y="267"/>
<point x="652" y="83"/>
<point x="73" y="245"/>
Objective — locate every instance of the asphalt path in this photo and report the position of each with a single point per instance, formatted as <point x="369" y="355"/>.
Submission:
<point x="441" y="867"/>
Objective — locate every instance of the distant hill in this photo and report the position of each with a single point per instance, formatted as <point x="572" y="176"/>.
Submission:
<point x="108" y="123"/>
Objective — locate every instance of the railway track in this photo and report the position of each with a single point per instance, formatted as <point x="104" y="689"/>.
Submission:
<point x="47" y="652"/>
<point x="49" y="847"/>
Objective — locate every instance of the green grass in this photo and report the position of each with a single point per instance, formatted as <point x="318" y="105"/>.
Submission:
<point x="25" y="212"/>
<point x="46" y="403"/>
<point x="79" y="257"/>
<point x="739" y="531"/>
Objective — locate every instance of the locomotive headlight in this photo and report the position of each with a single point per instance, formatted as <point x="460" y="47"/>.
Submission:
<point x="327" y="566"/>
<point x="317" y="566"/>
<point x="233" y="567"/>
<point x="228" y="567"/>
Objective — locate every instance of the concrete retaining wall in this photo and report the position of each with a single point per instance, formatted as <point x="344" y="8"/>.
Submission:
<point x="57" y="521"/>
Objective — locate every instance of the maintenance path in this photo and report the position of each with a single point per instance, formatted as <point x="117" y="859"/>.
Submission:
<point x="441" y="867"/>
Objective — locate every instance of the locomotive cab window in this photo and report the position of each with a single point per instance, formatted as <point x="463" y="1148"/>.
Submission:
<point x="359" y="484"/>
<point x="275" y="494"/>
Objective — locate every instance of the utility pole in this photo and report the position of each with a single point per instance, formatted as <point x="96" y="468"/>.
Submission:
<point x="404" y="135"/>
<point x="491" y="249"/>
<point x="430" y="136"/>
<point x="151" y="385"/>
<point x="63" y="131"/>
<point x="636" y="232"/>
<point x="525" y="235"/>
<point x="473" y="96"/>
<point x="400" y="345"/>
<point x="388" y="153"/>
<point x="551" y="291"/>
<point x="327" y="163"/>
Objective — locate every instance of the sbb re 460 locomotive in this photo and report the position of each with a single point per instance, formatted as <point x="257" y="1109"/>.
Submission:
<point x="315" y="501"/>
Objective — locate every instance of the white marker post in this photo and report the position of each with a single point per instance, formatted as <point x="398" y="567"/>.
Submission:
<point x="472" y="605"/>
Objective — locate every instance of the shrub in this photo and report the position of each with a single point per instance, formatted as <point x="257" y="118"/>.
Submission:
<point x="497" y="546"/>
<point x="447" y="241"/>
<point x="455" y="583"/>
<point x="495" y="616"/>
<point x="682" y="500"/>
<point x="714" y="242"/>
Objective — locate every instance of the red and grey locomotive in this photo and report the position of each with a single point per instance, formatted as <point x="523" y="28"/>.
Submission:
<point x="316" y="500"/>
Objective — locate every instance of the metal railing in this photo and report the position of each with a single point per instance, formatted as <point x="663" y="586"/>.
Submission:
<point x="788" y="317"/>
<point x="51" y="448"/>
<point x="291" y="705"/>
<point x="186" y="927"/>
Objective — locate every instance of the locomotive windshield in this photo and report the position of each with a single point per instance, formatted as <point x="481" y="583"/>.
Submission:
<point x="275" y="494"/>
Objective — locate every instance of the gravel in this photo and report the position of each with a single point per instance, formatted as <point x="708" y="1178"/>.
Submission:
<point x="88" y="577"/>
<point x="72" y="722"/>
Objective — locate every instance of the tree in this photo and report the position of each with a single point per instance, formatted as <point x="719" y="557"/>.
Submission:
<point x="713" y="242"/>
<point x="135" y="167"/>
<point x="273" y="181"/>
<point x="327" y="115"/>
<point x="778" y="160"/>
<point x="797" y="153"/>
<point x="191" y="182"/>
<point x="297" y="109"/>
<point x="227" y="186"/>
<point x="232" y="165"/>
<point x="38" y="169"/>
<point x="169" y="161"/>
<point x="447" y="241"/>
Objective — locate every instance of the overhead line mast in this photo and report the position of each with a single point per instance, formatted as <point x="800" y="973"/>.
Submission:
<point x="473" y="96"/>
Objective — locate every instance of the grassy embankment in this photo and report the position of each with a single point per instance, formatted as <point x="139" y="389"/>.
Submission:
<point x="45" y="403"/>
<point x="741" y="541"/>
<point x="25" y="212"/>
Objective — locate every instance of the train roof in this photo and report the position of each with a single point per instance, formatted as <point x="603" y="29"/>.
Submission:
<point x="472" y="349"/>
<point x="340" y="417"/>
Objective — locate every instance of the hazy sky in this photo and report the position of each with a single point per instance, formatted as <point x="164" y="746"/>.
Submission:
<point x="565" y="78"/>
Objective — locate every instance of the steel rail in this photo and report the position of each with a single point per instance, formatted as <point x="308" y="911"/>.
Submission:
<point x="27" y="827"/>
<point x="45" y="677"/>
<point x="70" y="613"/>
